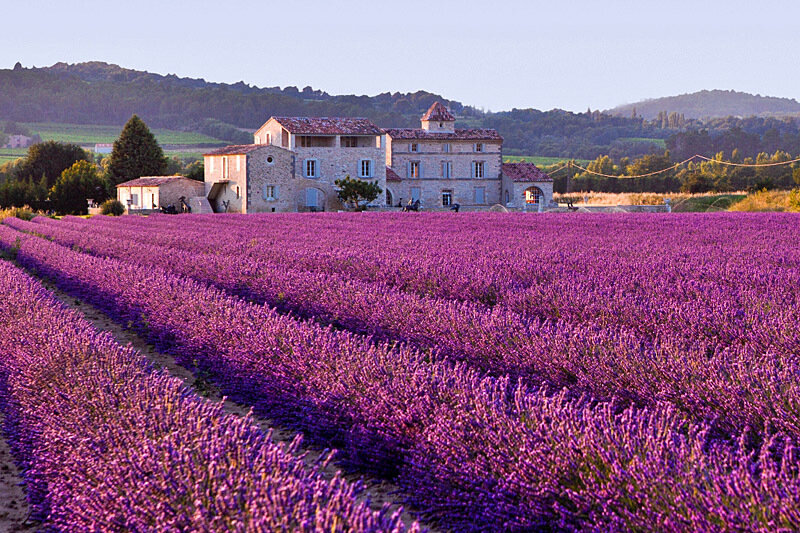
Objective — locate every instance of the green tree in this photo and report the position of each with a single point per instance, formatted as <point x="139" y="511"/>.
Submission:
<point x="135" y="154"/>
<point x="112" y="207"/>
<point x="49" y="159"/>
<point x="75" y="185"/>
<point x="357" y="193"/>
<point x="796" y="175"/>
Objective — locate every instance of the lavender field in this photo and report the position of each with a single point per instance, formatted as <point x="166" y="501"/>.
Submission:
<point x="505" y="372"/>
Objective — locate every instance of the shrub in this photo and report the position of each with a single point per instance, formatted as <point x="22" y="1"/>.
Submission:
<point x="22" y="213"/>
<point x="112" y="207"/>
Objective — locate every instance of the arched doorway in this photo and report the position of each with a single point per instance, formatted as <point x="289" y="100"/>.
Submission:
<point x="533" y="196"/>
<point x="389" y="197"/>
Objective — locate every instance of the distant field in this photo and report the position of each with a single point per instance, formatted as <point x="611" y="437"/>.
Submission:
<point x="661" y="143"/>
<point x="541" y="161"/>
<point x="93" y="134"/>
<point x="10" y="154"/>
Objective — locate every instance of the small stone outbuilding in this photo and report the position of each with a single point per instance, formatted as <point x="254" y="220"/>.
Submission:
<point x="526" y="187"/>
<point x="149" y="194"/>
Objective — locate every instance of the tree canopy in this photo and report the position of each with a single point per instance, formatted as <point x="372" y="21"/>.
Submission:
<point x="136" y="153"/>
<point x="357" y="193"/>
<point x="49" y="159"/>
<point x="75" y="186"/>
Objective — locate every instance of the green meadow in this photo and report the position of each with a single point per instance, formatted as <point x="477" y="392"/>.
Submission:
<point x="89" y="134"/>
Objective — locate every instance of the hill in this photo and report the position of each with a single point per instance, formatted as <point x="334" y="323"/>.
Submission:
<point x="710" y="104"/>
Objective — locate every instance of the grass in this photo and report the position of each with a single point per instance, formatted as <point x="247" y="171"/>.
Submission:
<point x="11" y="154"/>
<point x="769" y="201"/>
<point x="541" y="161"/>
<point x="661" y="143"/>
<point x="681" y="203"/>
<point x="86" y="134"/>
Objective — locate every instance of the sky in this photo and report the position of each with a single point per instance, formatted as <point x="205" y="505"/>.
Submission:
<point x="492" y="54"/>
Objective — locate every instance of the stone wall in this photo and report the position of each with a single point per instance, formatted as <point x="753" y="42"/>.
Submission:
<point x="271" y="166"/>
<point x="337" y="163"/>
<point x="170" y="193"/>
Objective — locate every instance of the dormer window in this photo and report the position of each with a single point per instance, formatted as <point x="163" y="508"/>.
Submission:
<point x="479" y="147"/>
<point x="413" y="147"/>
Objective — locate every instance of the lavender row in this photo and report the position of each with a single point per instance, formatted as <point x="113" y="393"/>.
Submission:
<point x="476" y="454"/>
<point x="109" y="444"/>
<point x="744" y="377"/>
<point x="486" y="257"/>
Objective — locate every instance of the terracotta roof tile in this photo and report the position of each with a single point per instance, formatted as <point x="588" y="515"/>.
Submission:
<point x="458" y="135"/>
<point x="438" y="113"/>
<point x="524" y="172"/>
<point x="391" y="175"/>
<point x="235" y="149"/>
<point x="329" y="126"/>
<point x="153" y="181"/>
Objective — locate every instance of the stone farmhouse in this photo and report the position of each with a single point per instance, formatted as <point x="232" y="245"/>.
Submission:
<point x="149" y="193"/>
<point x="294" y="161"/>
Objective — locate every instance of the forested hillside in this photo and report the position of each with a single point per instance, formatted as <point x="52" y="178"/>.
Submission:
<point x="710" y="104"/>
<point x="104" y="94"/>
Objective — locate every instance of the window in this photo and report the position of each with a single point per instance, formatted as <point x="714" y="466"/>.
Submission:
<point x="237" y="191"/>
<point x="479" y="147"/>
<point x="446" y="148"/>
<point x="312" y="168"/>
<point x="413" y="169"/>
<point x="477" y="169"/>
<point x="266" y="141"/>
<point x="441" y="125"/>
<point x="447" y="198"/>
<point x="480" y="195"/>
<point x="447" y="169"/>
<point x="416" y="193"/>
<point x="134" y="200"/>
<point x="270" y="192"/>
<point x="224" y="167"/>
<point x="365" y="168"/>
<point x="413" y="147"/>
<point x="270" y="160"/>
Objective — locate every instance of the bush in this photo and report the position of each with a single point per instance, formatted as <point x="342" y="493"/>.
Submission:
<point x="112" y="207"/>
<point x="22" y="213"/>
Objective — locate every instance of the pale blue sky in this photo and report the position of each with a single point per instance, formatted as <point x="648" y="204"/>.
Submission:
<point x="492" y="54"/>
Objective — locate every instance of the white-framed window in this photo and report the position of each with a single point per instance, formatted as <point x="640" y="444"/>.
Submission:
<point x="447" y="169"/>
<point x="479" y="147"/>
<point x="270" y="192"/>
<point x="446" y="148"/>
<point x="447" y="197"/>
<point x="478" y="169"/>
<point x="134" y="200"/>
<point x="480" y="195"/>
<point x="413" y="147"/>
<point x="311" y="168"/>
<point x="413" y="169"/>
<point x="416" y="193"/>
<point x="365" y="168"/>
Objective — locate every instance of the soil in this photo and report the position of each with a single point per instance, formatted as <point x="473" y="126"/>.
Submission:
<point x="13" y="504"/>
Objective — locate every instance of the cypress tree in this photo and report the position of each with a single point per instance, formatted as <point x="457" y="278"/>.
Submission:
<point x="135" y="154"/>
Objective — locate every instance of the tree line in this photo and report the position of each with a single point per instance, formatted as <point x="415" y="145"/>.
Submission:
<point x="692" y="177"/>
<point x="61" y="178"/>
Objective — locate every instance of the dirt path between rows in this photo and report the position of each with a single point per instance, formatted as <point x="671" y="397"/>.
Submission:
<point x="379" y="492"/>
<point x="13" y="504"/>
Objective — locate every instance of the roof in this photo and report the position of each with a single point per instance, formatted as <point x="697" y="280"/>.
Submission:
<point x="153" y="181"/>
<point x="236" y="149"/>
<point x="329" y="126"/>
<point x="524" y="172"/>
<point x="457" y="135"/>
<point x="438" y="113"/>
<point x="391" y="175"/>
